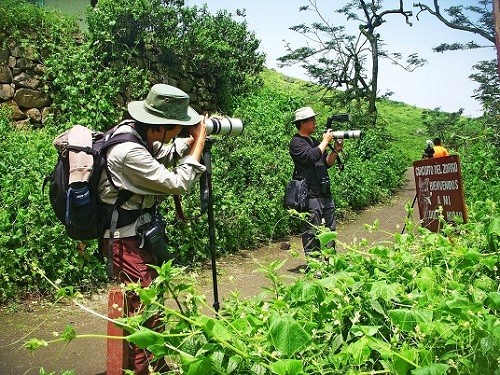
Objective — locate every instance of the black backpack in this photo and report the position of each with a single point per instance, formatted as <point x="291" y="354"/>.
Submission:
<point x="77" y="207"/>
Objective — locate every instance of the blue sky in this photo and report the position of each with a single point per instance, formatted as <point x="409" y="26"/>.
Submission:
<point x="443" y="82"/>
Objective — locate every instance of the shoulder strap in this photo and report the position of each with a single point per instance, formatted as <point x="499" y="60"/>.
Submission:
<point x="120" y="138"/>
<point x="123" y="195"/>
<point x="114" y="140"/>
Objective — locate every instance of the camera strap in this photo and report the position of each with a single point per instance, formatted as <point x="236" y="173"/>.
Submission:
<point x="179" y="212"/>
<point x="340" y="163"/>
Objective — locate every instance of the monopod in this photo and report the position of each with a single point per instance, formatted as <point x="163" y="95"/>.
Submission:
<point x="208" y="205"/>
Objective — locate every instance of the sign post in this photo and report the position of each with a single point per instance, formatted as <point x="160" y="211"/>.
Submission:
<point x="438" y="183"/>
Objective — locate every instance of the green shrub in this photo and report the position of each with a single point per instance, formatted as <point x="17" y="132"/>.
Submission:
<point x="427" y="305"/>
<point x="30" y="25"/>
<point x="479" y="151"/>
<point x="249" y="171"/>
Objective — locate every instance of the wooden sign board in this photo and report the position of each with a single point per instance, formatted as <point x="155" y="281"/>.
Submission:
<point x="438" y="183"/>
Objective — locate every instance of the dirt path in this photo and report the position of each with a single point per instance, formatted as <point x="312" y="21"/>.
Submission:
<point x="234" y="273"/>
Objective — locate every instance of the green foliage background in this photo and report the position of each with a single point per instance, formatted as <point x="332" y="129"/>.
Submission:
<point x="429" y="304"/>
<point x="426" y="305"/>
<point x="249" y="171"/>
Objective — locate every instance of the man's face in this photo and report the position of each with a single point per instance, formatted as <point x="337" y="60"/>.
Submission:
<point x="172" y="133"/>
<point x="309" y="125"/>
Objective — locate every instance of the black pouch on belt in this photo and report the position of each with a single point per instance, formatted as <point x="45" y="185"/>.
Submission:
<point x="154" y="238"/>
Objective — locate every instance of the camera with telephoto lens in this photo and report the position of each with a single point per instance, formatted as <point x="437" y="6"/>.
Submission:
<point x="219" y="126"/>
<point x="342" y="134"/>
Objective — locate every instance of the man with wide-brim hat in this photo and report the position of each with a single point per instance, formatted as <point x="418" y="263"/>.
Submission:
<point x="311" y="162"/>
<point x="164" y="105"/>
<point x="150" y="166"/>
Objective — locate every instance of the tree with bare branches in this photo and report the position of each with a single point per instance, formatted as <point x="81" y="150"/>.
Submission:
<point x="335" y="59"/>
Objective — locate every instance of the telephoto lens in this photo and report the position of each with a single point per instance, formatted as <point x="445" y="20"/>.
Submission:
<point x="344" y="134"/>
<point x="224" y="126"/>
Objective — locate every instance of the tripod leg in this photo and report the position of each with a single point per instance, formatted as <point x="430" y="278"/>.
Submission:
<point x="409" y="214"/>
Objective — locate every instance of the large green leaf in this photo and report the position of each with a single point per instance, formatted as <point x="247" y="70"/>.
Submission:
<point x="381" y="289"/>
<point x="307" y="292"/>
<point x="493" y="300"/>
<point x="287" y="367"/>
<point x="493" y="234"/>
<point x="326" y="237"/>
<point x="145" y="337"/>
<point x="433" y="369"/>
<point x="426" y="280"/>
<point x="288" y="336"/>
<point x="404" y="319"/>
<point x="401" y="364"/>
<point x="217" y="330"/>
<point x="198" y="366"/>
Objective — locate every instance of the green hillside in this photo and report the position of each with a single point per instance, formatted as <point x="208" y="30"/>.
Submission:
<point x="406" y="130"/>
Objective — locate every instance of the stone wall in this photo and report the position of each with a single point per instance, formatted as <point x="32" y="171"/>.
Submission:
<point x="22" y="86"/>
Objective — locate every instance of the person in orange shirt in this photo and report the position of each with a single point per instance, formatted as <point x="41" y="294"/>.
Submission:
<point x="439" y="151"/>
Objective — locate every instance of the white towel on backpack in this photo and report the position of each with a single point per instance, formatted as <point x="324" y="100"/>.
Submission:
<point x="80" y="163"/>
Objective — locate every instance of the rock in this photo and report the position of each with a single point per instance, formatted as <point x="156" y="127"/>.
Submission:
<point x="6" y="91"/>
<point x="17" y="114"/>
<point x="35" y="115"/>
<point x="24" y="63"/>
<point x="5" y="74"/>
<point x="285" y="246"/>
<point x="12" y="62"/>
<point x="26" y="80"/>
<point x="46" y="112"/>
<point x="28" y="98"/>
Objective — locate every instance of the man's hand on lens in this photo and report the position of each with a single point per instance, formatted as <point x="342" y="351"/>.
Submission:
<point x="328" y="136"/>
<point x="199" y="130"/>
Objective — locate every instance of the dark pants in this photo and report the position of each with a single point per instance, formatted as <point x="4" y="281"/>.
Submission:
<point x="130" y="264"/>
<point x="319" y="209"/>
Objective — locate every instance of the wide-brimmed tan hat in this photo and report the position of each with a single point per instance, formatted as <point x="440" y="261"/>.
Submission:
<point x="164" y="105"/>
<point x="303" y="114"/>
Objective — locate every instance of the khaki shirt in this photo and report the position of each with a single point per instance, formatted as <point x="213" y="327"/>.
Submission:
<point x="131" y="167"/>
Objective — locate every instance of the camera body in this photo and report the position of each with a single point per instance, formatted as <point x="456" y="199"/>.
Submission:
<point x="341" y="117"/>
<point x="154" y="238"/>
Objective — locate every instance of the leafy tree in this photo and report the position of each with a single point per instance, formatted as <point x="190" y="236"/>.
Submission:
<point x="441" y="124"/>
<point x="475" y="19"/>
<point x="339" y="60"/>
<point x="191" y="40"/>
